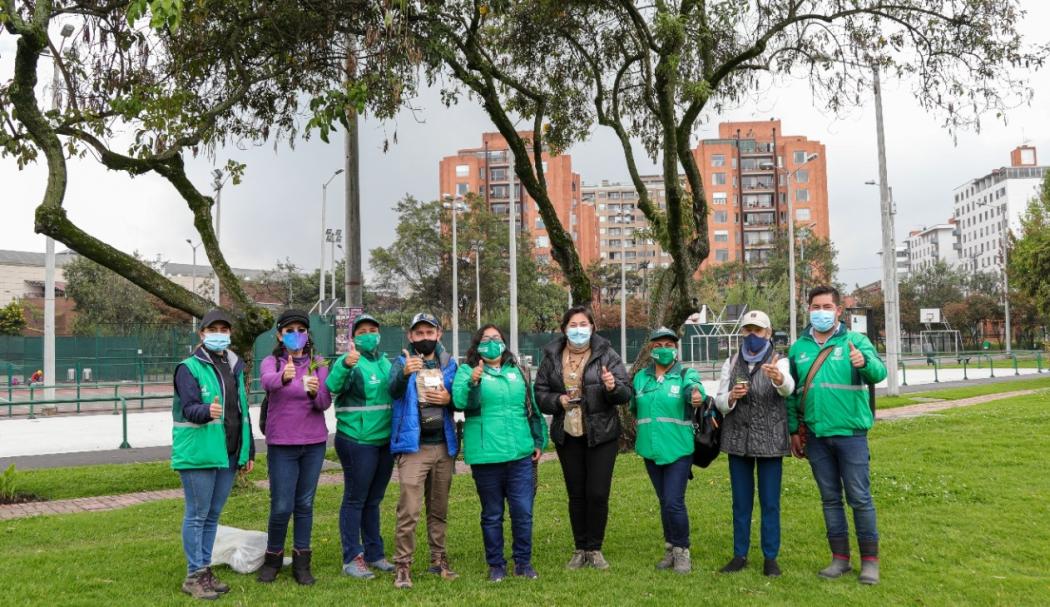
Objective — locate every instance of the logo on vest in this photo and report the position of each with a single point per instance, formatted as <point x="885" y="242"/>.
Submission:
<point x="512" y="376"/>
<point x="675" y="389"/>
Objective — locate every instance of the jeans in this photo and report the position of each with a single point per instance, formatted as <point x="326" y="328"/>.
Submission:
<point x="841" y="462"/>
<point x="588" y="475"/>
<point x="670" y="481"/>
<point x="366" y="474"/>
<point x="742" y="479"/>
<point x="293" y="470"/>
<point x="205" y="490"/>
<point x="512" y="482"/>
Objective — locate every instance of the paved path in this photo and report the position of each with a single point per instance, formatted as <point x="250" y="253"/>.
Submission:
<point x="932" y="407"/>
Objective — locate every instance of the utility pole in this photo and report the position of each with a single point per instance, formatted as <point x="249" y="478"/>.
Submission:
<point x="623" y="286"/>
<point x="889" y="251"/>
<point x="353" y="279"/>
<point x="1006" y="281"/>
<point x="193" y="320"/>
<point x="324" y="205"/>
<point x="511" y="223"/>
<point x="477" y="281"/>
<point x="218" y="182"/>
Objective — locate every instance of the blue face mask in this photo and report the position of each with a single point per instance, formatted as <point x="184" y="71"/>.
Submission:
<point x="216" y="342"/>
<point x="755" y="344"/>
<point x="822" y="320"/>
<point x="294" y="341"/>
<point x="578" y="335"/>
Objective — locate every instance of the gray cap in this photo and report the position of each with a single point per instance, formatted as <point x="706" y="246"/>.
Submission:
<point x="661" y="333"/>
<point x="214" y="316"/>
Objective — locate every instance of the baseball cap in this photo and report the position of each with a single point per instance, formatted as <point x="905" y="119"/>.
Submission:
<point x="364" y="318"/>
<point x="430" y="319"/>
<point x="756" y="318"/>
<point x="661" y="333"/>
<point x="214" y="316"/>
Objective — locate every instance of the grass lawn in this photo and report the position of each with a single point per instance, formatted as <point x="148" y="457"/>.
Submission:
<point x="950" y="536"/>
<point x="886" y="402"/>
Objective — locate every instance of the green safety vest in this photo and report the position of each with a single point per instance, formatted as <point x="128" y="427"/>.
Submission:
<point x="196" y="446"/>
<point x="663" y="413"/>
<point x="362" y="399"/>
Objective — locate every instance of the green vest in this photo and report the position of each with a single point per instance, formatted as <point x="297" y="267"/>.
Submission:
<point x="663" y="413"/>
<point x="362" y="399"/>
<point x="497" y="428"/>
<point x="196" y="446"/>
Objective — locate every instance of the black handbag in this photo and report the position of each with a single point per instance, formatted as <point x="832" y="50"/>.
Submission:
<point x="707" y="433"/>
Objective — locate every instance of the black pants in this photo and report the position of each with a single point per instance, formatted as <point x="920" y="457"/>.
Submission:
<point x="588" y="475"/>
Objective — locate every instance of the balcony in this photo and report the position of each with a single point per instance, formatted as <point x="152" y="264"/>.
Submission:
<point x="759" y="186"/>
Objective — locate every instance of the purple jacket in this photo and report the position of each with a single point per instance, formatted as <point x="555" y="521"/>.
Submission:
<point x="292" y="417"/>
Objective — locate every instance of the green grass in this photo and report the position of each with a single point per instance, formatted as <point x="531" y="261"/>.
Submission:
<point x="887" y="402"/>
<point x="962" y="509"/>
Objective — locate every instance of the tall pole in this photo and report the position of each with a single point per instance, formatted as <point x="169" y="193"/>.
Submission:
<point x="1006" y="289"/>
<point x="336" y="237"/>
<point x="455" y="284"/>
<point x="324" y="203"/>
<point x="477" y="282"/>
<point x="623" y="288"/>
<point x="511" y="223"/>
<point x="193" y="320"/>
<point x="218" y="183"/>
<point x="353" y="279"/>
<point x="889" y="251"/>
<point x="792" y="293"/>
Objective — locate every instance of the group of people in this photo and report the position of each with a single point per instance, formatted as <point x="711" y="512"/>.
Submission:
<point x="812" y="403"/>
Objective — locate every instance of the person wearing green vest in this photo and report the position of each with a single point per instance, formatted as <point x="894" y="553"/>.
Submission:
<point x="829" y="416"/>
<point x="358" y="381"/>
<point x="664" y="394"/>
<point x="503" y="436"/>
<point x="211" y="441"/>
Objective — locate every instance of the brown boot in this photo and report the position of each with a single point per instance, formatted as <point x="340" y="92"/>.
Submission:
<point x="196" y="585"/>
<point x="301" y="567"/>
<point x="214" y="582"/>
<point x="271" y="566"/>
<point x="402" y="576"/>
<point x="439" y="566"/>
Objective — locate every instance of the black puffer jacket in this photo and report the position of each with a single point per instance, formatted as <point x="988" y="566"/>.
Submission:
<point x="601" y="420"/>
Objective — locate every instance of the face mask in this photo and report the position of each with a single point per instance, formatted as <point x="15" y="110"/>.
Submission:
<point x="664" y="356"/>
<point x="822" y="320"/>
<point x="491" y="350"/>
<point x="216" y="342"/>
<point x="578" y="335"/>
<point x="294" y="340"/>
<point x="425" y="347"/>
<point x="755" y="343"/>
<point x="367" y="342"/>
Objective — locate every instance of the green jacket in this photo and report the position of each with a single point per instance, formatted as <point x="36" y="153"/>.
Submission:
<point x="663" y="414"/>
<point x="196" y="446"/>
<point x="362" y="398"/>
<point x="837" y="402"/>
<point x="501" y="424"/>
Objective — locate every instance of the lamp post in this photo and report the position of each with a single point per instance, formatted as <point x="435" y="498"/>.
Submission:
<point x="477" y="281"/>
<point x="454" y="205"/>
<point x="512" y="217"/>
<point x="194" y="281"/>
<point x="335" y="237"/>
<point x="793" y="308"/>
<point x="324" y="205"/>
<point x="621" y="215"/>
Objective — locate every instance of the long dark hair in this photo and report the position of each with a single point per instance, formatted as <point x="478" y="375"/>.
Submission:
<point x="473" y="358"/>
<point x="573" y="311"/>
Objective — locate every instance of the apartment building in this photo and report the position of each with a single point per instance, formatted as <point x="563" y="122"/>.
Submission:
<point x="928" y="246"/>
<point x="622" y="226"/>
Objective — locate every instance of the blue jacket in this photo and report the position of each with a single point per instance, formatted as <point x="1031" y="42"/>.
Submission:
<point x="404" y="431"/>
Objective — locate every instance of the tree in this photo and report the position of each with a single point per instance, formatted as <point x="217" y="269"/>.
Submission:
<point x="12" y="318"/>
<point x="969" y="315"/>
<point x="1029" y="265"/>
<point x="107" y="303"/>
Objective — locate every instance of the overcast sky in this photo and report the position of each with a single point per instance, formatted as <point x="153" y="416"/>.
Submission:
<point x="275" y="212"/>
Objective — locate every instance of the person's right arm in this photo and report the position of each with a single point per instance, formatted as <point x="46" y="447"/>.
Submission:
<point x="546" y="398"/>
<point x="340" y="377"/>
<point x="270" y="372"/>
<point x="722" y="397"/>
<point x="189" y="392"/>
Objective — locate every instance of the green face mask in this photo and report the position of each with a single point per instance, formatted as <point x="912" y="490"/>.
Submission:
<point x="664" y="356"/>
<point x="491" y="350"/>
<point x="367" y="342"/>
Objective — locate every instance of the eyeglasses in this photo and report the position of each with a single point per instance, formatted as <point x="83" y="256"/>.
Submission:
<point x="294" y="330"/>
<point x="485" y="340"/>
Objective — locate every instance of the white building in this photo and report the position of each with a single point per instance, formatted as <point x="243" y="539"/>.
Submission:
<point x="933" y="244"/>
<point x="988" y="206"/>
<point x="903" y="261"/>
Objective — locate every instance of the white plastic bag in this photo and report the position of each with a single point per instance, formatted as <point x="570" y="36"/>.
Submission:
<point x="241" y="549"/>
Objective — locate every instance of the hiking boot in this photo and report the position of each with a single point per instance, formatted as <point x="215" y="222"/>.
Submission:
<point x="597" y="560"/>
<point x="271" y="566"/>
<point x="214" y="582"/>
<point x="578" y="560"/>
<point x="526" y="571"/>
<point x="838" y="567"/>
<point x="770" y="568"/>
<point x="869" y="571"/>
<point x="668" y="561"/>
<point x="357" y="569"/>
<point x="683" y="563"/>
<point x="382" y="565"/>
<point x="737" y="564"/>
<point x="439" y="566"/>
<point x="497" y="573"/>
<point x="196" y="585"/>
<point x="301" y="567"/>
<point x="402" y="576"/>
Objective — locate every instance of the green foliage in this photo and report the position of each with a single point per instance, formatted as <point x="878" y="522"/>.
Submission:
<point x="8" y="484"/>
<point x="1029" y="265"/>
<point x="106" y="303"/>
<point x="12" y="318"/>
<point x="163" y="13"/>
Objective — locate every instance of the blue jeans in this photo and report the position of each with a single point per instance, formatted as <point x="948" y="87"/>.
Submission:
<point x="510" y="481"/>
<point x="670" y="481"/>
<point x="366" y="473"/>
<point x="293" y="470"/>
<point x="205" y="490"/>
<point x="841" y="463"/>
<point x="742" y="479"/>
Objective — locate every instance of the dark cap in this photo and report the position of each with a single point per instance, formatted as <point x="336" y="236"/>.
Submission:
<point x="363" y="318"/>
<point x="661" y="333"/>
<point x="214" y="316"/>
<point x="289" y="316"/>
<point x="430" y="319"/>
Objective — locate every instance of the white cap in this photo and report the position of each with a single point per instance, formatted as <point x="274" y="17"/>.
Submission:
<point x="756" y="318"/>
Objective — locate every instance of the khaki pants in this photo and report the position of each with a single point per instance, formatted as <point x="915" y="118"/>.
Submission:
<point x="423" y="476"/>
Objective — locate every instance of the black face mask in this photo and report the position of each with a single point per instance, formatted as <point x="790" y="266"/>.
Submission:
<point x="425" y="347"/>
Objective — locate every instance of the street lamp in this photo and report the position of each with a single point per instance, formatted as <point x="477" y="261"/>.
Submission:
<point x="512" y="221"/>
<point x="477" y="281"/>
<point x="335" y="237"/>
<point x="194" y="282"/>
<point x="793" y="310"/>
<point x="622" y="216"/>
<point x="324" y="201"/>
<point x="455" y="205"/>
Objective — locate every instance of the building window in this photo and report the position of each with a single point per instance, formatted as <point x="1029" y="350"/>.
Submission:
<point x="539" y="224"/>
<point x="718" y="160"/>
<point x="462" y="170"/>
<point x="802" y="195"/>
<point x="721" y="236"/>
<point x="802" y="176"/>
<point x="799" y="157"/>
<point x="614" y="195"/>
<point x="721" y="217"/>
<point x="718" y="178"/>
<point x="721" y="255"/>
<point x="802" y="214"/>
<point x="462" y="188"/>
<point x="719" y="197"/>
<point x="498" y="174"/>
<point x="542" y="242"/>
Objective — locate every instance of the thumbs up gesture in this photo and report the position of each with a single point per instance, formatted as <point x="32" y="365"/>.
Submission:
<point x="289" y="371"/>
<point x="772" y="372"/>
<point x="215" y="410"/>
<point x="856" y="358"/>
<point x="412" y="363"/>
<point x="475" y="377"/>
<point x="351" y="358"/>
<point x="608" y="379"/>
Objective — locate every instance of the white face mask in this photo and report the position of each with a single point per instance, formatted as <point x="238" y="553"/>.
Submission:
<point x="578" y="335"/>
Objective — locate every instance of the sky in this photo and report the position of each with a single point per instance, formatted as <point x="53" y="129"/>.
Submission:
<point x="275" y="213"/>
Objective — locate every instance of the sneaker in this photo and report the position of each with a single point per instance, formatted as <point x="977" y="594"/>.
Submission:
<point x="597" y="560"/>
<point x="526" y="571"/>
<point x="683" y="563"/>
<point x="439" y="566"/>
<point x="402" y="576"/>
<point x="578" y="560"/>
<point x="196" y="585"/>
<point x="735" y="565"/>
<point x="836" y="569"/>
<point x="214" y="582"/>
<point x="668" y="560"/>
<point x="497" y="573"/>
<point x="770" y="568"/>
<point x="382" y="565"/>
<point x="356" y="568"/>
<point x="869" y="571"/>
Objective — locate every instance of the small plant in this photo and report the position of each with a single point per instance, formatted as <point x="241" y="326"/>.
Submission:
<point x="8" y="484"/>
<point x="316" y="364"/>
